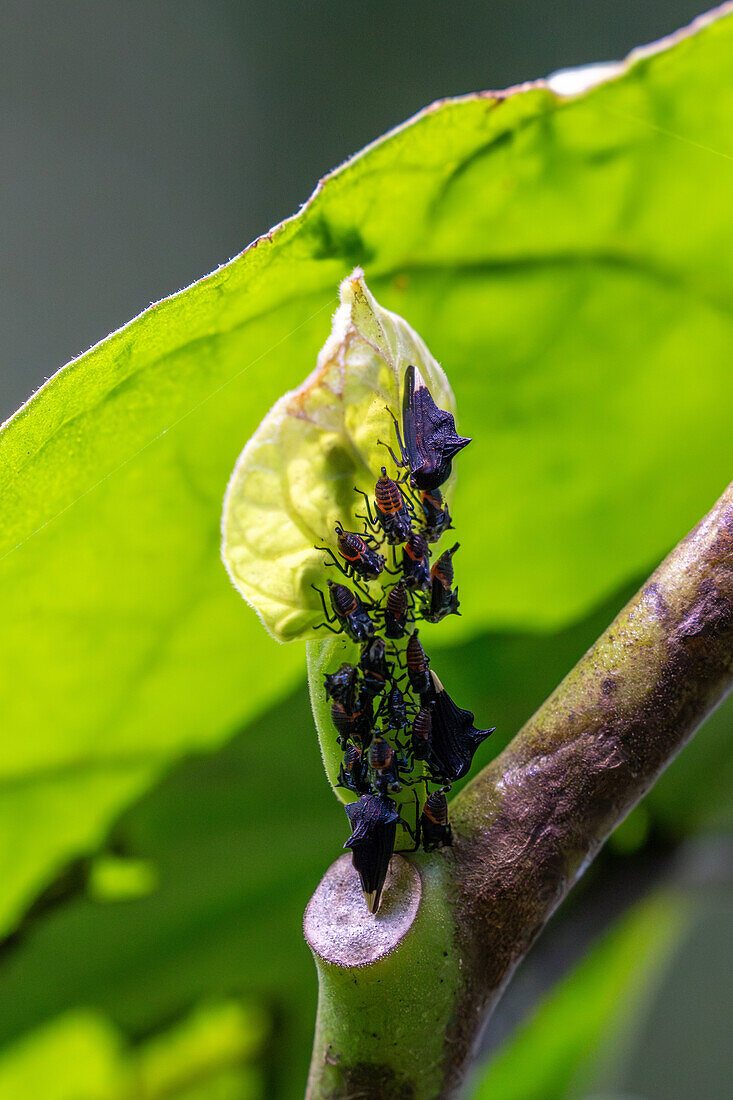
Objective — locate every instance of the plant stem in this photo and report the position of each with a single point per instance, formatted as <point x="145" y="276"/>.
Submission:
<point x="525" y="829"/>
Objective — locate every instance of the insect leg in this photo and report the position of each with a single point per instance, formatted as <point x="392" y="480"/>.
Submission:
<point x="325" y="626"/>
<point x="329" y="618"/>
<point x="401" y="445"/>
<point x="368" y="601"/>
<point x="397" y="656"/>
<point x="372" y="522"/>
<point x="415" y="834"/>
<point x="392" y="455"/>
<point x="335" y="561"/>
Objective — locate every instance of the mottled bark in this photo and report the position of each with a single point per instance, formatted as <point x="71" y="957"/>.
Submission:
<point x="529" y="824"/>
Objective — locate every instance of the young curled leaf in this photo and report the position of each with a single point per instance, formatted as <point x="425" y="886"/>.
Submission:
<point x="295" y="478"/>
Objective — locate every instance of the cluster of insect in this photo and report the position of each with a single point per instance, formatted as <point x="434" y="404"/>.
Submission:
<point x="395" y="723"/>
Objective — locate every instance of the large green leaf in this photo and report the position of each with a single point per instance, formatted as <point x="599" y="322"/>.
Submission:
<point x="569" y="260"/>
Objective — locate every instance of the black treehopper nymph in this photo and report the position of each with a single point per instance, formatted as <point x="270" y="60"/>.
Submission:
<point x="373" y="821"/>
<point x="443" y="568"/>
<point x="393" y="517"/>
<point x="361" y="560"/>
<point x="434" y="828"/>
<point x="443" y="600"/>
<point x="396" y="709"/>
<point x="429" y="442"/>
<point x="422" y="729"/>
<point x="396" y="611"/>
<point x="349" y="612"/>
<point x="341" y="685"/>
<point x="416" y="562"/>
<point x="454" y="738"/>
<point x="437" y="516"/>
<point x="355" y="725"/>
<point x="385" y="764"/>
<point x="353" y="774"/>
<point x="418" y="665"/>
<point x="374" y="666"/>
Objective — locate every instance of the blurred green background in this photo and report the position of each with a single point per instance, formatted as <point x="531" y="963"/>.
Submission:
<point x="142" y="146"/>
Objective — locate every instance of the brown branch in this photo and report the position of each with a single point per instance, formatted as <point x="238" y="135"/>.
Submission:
<point x="529" y="824"/>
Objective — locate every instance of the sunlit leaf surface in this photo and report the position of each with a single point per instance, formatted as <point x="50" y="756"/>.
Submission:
<point x="296" y="477"/>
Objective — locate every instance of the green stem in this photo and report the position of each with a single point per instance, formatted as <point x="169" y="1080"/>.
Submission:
<point x="525" y="829"/>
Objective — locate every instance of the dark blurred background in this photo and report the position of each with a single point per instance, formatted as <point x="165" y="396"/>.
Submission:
<point x="143" y="144"/>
